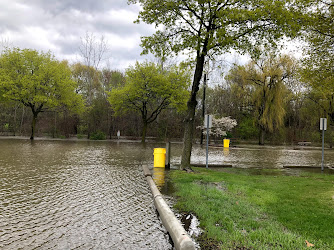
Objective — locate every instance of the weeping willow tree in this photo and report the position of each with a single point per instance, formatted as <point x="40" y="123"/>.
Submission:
<point x="266" y="79"/>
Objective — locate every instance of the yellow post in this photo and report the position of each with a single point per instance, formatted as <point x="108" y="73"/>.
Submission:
<point x="159" y="157"/>
<point x="226" y="143"/>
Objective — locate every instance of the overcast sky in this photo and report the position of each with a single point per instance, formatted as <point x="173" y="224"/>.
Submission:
<point x="58" y="25"/>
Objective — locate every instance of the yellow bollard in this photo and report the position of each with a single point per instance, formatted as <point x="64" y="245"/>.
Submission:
<point x="159" y="157"/>
<point x="226" y="143"/>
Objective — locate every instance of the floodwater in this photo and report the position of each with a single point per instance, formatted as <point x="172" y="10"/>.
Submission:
<point x="264" y="157"/>
<point x="86" y="195"/>
<point x="93" y="195"/>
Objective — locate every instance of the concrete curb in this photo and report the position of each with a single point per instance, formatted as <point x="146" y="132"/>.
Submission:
<point x="181" y="239"/>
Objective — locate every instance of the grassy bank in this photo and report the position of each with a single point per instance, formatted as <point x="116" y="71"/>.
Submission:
<point x="241" y="211"/>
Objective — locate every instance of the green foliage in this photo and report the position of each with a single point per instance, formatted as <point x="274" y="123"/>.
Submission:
<point x="93" y="85"/>
<point x="247" y="129"/>
<point x="99" y="135"/>
<point x="318" y="64"/>
<point x="98" y="113"/>
<point x="82" y="129"/>
<point x="215" y="26"/>
<point x="149" y="90"/>
<point x="207" y="28"/>
<point x="88" y="81"/>
<point x="268" y="77"/>
<point x="37" y="80"/>
<point x="263" y="83"/>
<point x="112" y="79"/>
<point x="6" y="127"/>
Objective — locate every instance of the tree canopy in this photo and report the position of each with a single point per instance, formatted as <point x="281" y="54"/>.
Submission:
<point x="266" y="80"/>
<point x="149" y="90"/>
<point x="318" y="64"/>
<point x="319" y="61"/>
<point x="206" y="27"/>
<point x="38" y="81"/>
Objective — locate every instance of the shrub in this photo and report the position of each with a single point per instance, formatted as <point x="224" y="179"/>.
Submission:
<point x="98" y="135"/>
<point x="247" y="130"/>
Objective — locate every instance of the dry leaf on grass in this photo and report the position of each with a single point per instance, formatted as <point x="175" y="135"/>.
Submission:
<point x="308" y="244"/>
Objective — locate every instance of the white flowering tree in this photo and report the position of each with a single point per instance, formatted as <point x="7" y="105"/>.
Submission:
<point x="220" y="126"/>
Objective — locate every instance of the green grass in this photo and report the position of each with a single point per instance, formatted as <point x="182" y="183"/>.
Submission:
<point x="239" y="211"/>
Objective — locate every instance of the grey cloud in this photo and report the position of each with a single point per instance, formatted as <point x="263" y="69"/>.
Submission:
<point x="122" y="29"/>
<point x="57" y="6"/>
<point x="57" y="25"/>
<point x="67" y="45"/>
<point x="126" y="54"/>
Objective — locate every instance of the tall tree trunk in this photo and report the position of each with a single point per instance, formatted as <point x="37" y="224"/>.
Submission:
<point x="262" y="136"/>
<point x="33" y="125"/>
<point x="55" y="126"/>
<point x="190" y="117"/>
<point x="109" y="124"/>
<point x="143" y="137"/>
<point x="21" y="124"/>
<point x="14" y="123"/>
<point x="188" y="135"/>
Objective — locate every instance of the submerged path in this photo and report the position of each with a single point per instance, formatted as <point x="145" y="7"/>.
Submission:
<point x="66" y="195"/>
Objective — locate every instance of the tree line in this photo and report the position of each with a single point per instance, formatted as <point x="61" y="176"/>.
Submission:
<point x="272" y="97"/>
<point x="84" y="101"/>
<point x="268" y="97"/>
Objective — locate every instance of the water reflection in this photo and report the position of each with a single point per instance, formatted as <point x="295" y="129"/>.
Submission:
<point x="159" y="177"/>
<point x="259" y="157"/>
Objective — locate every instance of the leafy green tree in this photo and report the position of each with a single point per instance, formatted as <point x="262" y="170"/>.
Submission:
<point x="110" y="79"/>
<point x="38" y="81"/>
<point x="149" y="90"/>
<point x="88" y="81"/>
<point x="89" y="87"/>
<point x="319" y="62"/>
<point x="207" y="27"/>
<point x="266" y="80"/>
<point x="318" y="65"/>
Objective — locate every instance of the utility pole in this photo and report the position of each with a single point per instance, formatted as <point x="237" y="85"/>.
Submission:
<point x="203" y="107"/>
